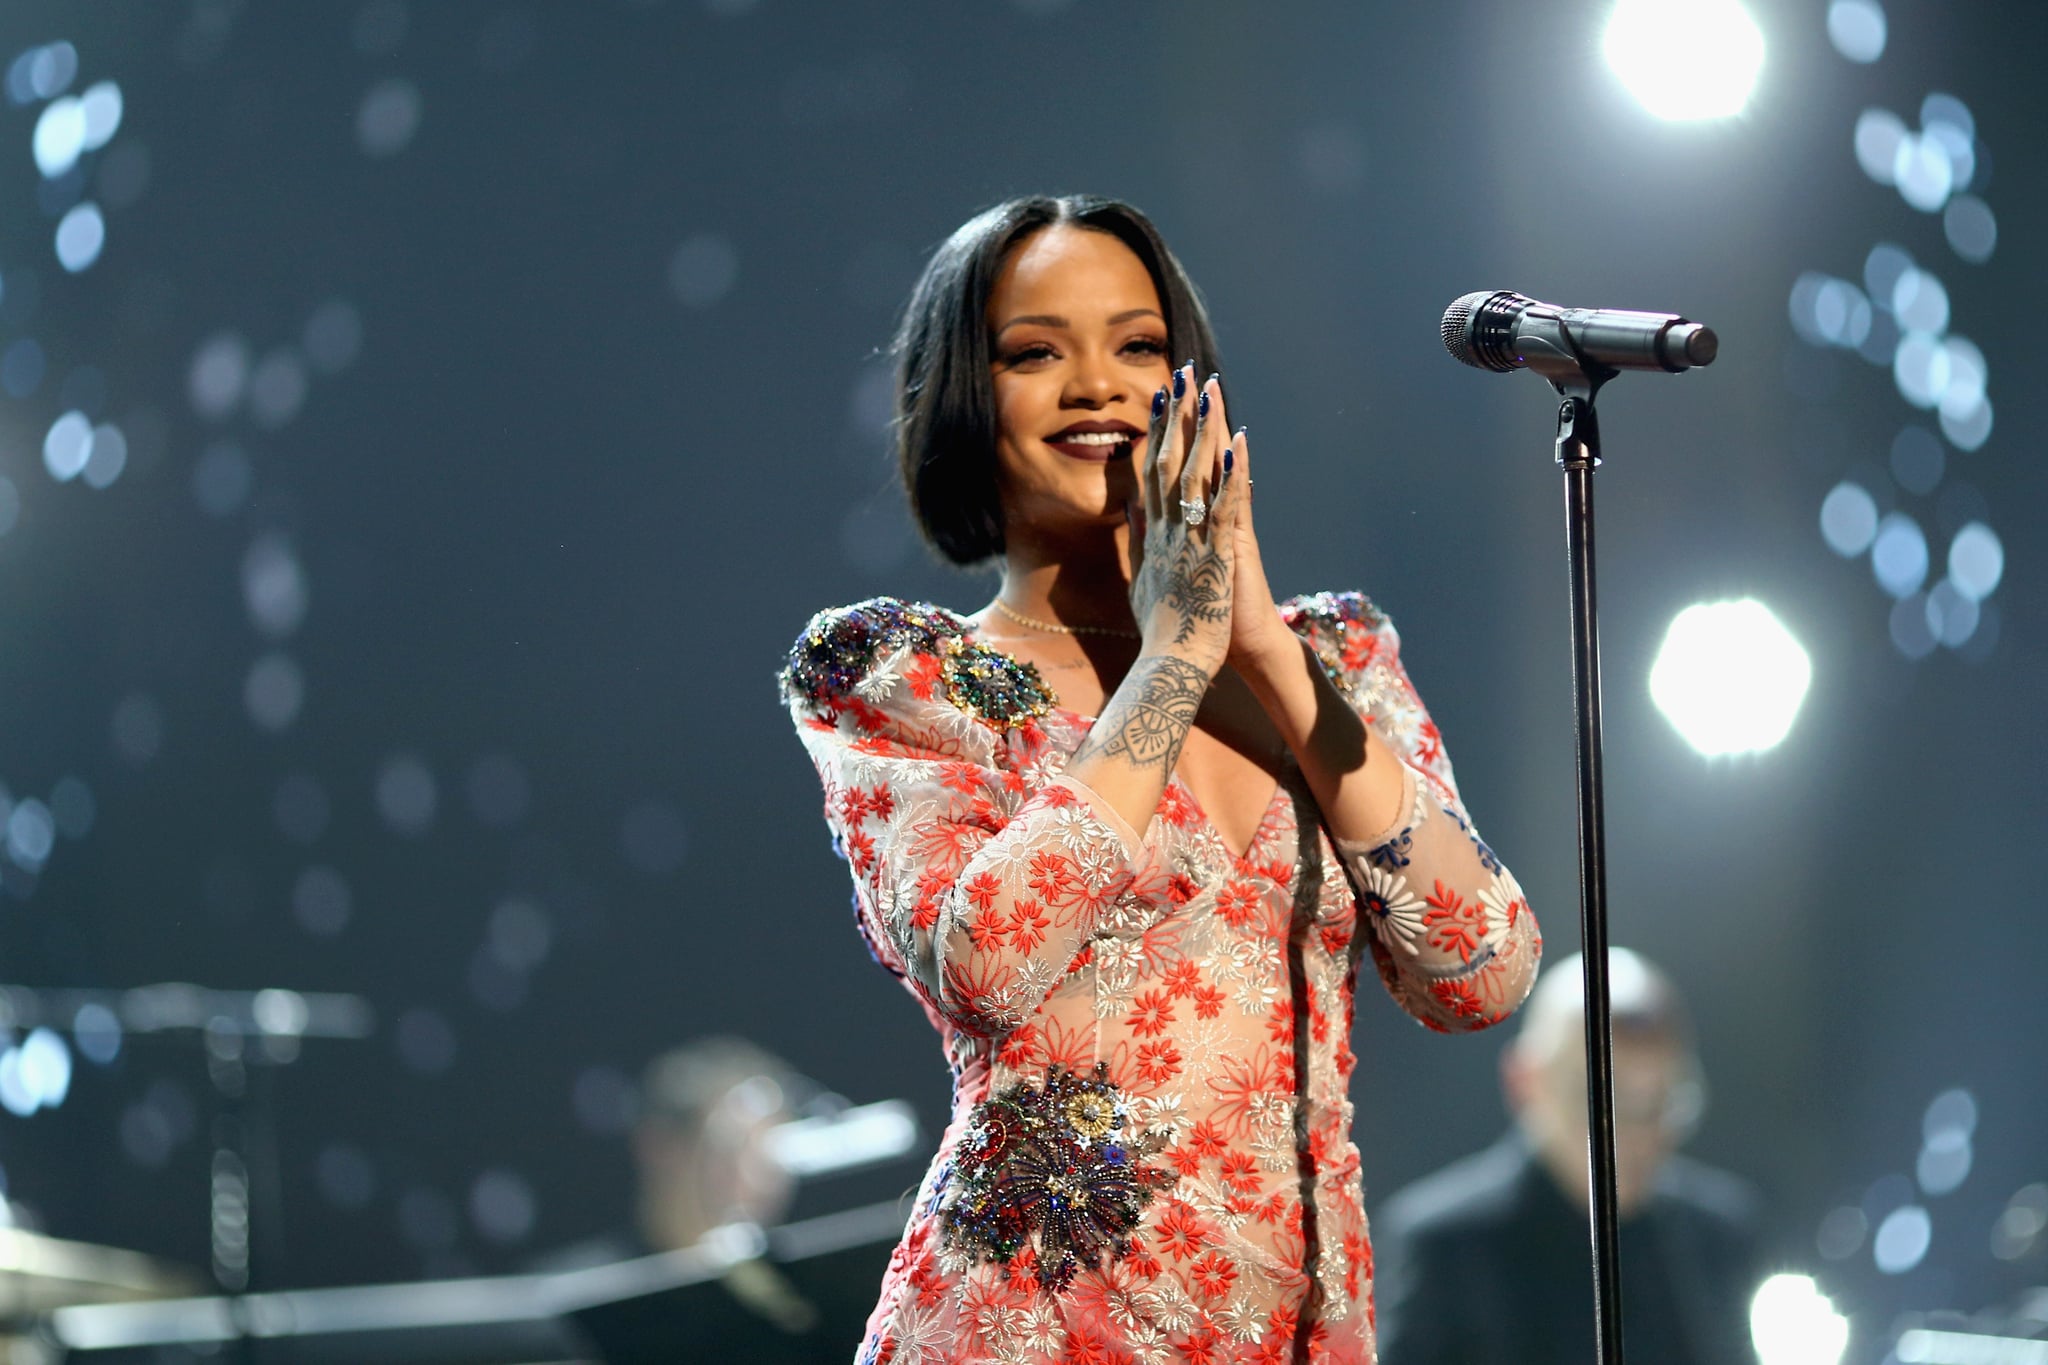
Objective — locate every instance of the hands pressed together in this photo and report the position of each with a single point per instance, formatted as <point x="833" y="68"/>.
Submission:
<point x="1198" y="585"/>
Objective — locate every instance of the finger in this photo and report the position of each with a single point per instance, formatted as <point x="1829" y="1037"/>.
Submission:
<point x="1219" y="422"/>
<point x="1173" y="443"/>
<point x="1155" y="441"/>
<point x="1241" y="471"/>
<point x="1225" y="510"/>
<point x="1204" y="457"/>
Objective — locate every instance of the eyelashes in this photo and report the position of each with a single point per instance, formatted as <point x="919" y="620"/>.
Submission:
<point x="1143" y="346"/>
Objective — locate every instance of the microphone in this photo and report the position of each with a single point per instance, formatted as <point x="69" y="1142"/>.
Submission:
<point x="1498" y="330"/>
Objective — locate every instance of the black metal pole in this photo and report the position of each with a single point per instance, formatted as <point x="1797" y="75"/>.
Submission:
<point x="1578" y="454"/>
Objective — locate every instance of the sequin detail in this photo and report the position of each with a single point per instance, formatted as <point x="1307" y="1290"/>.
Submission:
<point x="1338" y="627"/>
<point x="1056" y="1163"/>
<point x="995" y="687"/>
<point x="839" y="649"/>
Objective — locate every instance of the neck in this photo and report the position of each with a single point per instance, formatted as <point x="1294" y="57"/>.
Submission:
<point x="1082" y="581"/>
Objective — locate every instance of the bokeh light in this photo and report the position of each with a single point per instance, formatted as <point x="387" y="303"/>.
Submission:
<point x="1898" y="555"/>
<point x="1976" y="560"/>
<point x="1857" y="29"/>
<point x="388" y="118"/>
<point x="1902" y="1239"/>
<point x="1848" y="519"/>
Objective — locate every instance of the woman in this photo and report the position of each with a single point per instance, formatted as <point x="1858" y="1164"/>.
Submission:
<point x="1114" y="832"/>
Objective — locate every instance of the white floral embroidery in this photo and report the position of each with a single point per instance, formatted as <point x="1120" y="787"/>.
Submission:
<point x="1399" y="924"/>
<point x="1168" y="1305"/>
<point x="1042" y="1329"/>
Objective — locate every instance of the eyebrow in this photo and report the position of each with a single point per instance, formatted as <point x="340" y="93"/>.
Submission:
<point x="1053" y="320"/>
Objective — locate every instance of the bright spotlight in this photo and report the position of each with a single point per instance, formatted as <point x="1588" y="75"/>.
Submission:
<point x="1792" y="1323"/>
<point x="1686" y="59"/>
<point x="1730" y="677"/>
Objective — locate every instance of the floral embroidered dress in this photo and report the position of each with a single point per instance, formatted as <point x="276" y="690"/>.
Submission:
<point x="1149" y="1158"/>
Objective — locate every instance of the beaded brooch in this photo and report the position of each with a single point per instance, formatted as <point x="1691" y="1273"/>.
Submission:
<point x="1051" y="1162"/>
<point x="839" y="648"/>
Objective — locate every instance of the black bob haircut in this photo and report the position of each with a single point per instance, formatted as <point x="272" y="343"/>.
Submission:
<point x="945" y="399"/>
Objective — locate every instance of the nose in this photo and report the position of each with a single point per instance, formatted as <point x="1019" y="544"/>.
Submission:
<point x="1094" y="382"/>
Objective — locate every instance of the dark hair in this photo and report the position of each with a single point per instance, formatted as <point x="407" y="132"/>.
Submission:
<point x="945" y="401"/>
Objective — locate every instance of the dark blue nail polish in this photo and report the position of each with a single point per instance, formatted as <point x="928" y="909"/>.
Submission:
<point x="1202" y="404"/>
<point x="1228" y="458"/>
<point x="1159" y="401"/>
<point x="1180" y="384"/>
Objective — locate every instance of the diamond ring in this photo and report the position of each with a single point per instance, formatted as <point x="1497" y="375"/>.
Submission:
<point x="1194" y="511"/>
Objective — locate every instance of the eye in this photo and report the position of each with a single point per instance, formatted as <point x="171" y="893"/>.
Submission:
<point x="1145" y="346"/>
<point x="1024" y="354"/>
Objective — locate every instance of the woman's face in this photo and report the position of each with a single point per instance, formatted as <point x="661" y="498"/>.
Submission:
<point x="1078" y="347"/>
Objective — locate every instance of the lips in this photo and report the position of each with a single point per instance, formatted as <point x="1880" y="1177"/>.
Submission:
<point x="1097" y="442"/>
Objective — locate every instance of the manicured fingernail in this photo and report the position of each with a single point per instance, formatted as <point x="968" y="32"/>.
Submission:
<point x="1229" y="458"/>
<point x="1159" y="401"/>
<point x="1202" y="404"/>
<point x="1180" y="384"/>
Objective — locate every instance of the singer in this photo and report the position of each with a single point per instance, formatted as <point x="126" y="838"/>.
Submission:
<point x="1128" y="832"/>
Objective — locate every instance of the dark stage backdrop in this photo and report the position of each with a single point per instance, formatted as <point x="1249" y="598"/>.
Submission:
<point x="498" y="391"/>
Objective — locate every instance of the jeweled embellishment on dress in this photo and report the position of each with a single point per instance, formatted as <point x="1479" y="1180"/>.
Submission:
<point x="839" y="648"/>
<point x="1056" y="1163"/>
<point x="1001" y="690"/>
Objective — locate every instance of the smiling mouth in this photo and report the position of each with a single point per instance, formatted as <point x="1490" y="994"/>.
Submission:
<point x="1097" y="446"/>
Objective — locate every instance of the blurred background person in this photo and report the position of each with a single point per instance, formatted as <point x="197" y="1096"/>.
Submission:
<point x="701" y="1156"/>
<point x="1487" y="1262"/>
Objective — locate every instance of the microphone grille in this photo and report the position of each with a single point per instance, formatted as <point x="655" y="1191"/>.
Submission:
<point x="1458" y="325"/>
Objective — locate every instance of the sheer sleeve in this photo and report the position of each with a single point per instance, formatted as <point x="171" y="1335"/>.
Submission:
<point x="980" y="874"/>
<point x="1454" y="939"/>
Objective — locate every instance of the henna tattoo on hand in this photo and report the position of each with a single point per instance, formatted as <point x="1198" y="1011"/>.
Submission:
<point x="1199" y="592"/>
<point x="1147" y="719"/>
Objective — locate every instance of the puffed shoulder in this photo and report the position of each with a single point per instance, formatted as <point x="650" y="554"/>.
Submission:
<point x="1347" y="632"/>
<point x="844" y="651"/>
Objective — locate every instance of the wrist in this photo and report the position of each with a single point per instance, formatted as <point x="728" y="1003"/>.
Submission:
<point x="1271" y="660"/>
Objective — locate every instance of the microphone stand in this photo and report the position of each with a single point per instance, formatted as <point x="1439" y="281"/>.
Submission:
<point x="1577" y="380"/>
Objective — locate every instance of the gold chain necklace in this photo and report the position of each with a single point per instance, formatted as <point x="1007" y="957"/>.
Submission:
<point x="1055" y="628"/>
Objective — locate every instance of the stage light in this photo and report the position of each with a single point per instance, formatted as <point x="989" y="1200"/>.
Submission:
<point x="1685" y="59"/>
<point x="1792" y="1323"/>
<point x="1730" y="677"/>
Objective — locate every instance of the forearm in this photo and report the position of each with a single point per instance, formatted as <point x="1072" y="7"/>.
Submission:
<point x="1356" y="778"/>
<point x="1129" y="754"/>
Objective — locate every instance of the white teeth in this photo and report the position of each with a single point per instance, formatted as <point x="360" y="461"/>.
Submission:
<point x="1095" y="438"/>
